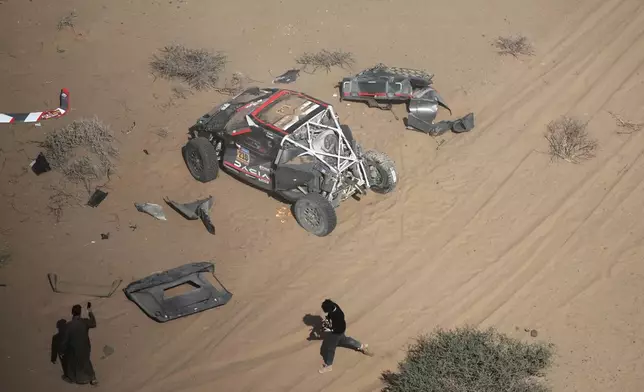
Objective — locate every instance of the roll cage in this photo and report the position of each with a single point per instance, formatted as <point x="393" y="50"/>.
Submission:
<point x="342" y="158"/>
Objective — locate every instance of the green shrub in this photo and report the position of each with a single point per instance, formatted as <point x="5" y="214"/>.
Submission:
<point x="469" y="360"/>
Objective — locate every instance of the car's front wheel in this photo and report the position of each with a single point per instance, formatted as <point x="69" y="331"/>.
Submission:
<point x="315" y="214"/>
<point x="381" y="171"/>
<point x="201" y="159"/>
<point x="291" y="195"/>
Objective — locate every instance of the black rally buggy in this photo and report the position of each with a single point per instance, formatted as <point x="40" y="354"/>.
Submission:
<point x="292" y="146"/>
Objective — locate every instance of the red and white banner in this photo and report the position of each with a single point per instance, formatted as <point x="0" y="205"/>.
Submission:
<point x="63" y="107"/>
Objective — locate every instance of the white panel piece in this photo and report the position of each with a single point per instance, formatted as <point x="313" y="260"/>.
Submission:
<point x="4" y="119"/>
<point x="33" y="117"/>
<point x="312" y="108"/>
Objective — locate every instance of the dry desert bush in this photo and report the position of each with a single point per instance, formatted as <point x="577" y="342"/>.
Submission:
<point x="568" y="140"/>
<point x="466" y="359"/>
<point x="514" y="46"/>
<point x="199" y="68"/>
<point x="325" y="59"/>
<point x="237" y="83"/>
<point x="84" y="151"/>
<point x="67" y="21"/>
<point x="626" y="127"/>
<point x="60" y="199"/>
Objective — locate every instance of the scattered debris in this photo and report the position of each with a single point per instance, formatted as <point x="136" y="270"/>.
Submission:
<point x="283" y="213"/>
<point x="463" y="124"/>
<point x="199" y="68"/>
<point x="97" y="198"/>
<point x="40" y="165"/>
<point x="199" y="209"/>
<point x="34" y="117"/>
<point x="146" y="152"/>
<point x="381" y="86"/>
<point x="154" y="294"/>
<point x="151" y="209"/>
<point x="67" y="21"/>
<point x="105" y="236"/>
<point x="82" y="288"/>
<point x="627" y="126"/>
<point x="568" y="140"/>
<point x="107" y="351"/>
<point x="130" y="128"/>
<point x="326" y="59"/>
<point x="289" y="76"/>
<point x="133" y="227"/>
<point x="514" y="46"/>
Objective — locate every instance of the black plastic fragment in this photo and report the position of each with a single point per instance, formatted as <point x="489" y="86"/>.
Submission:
<point x="149" y="293"/>
<point x="199" y="209"/>
<point x="97" y="198"/>
<point x="287" y="77"/>
<point x="40" y="165"/>
<point x="464" y="124"/>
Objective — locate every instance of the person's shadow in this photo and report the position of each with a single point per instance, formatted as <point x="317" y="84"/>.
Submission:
<point x="317" y="330"/>
<point x="315" y="322"/>
<point x="57" y="350"/>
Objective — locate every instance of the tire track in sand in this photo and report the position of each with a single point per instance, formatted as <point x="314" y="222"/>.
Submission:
<point x="490" y="185"/>
<point x="422" y="273"/>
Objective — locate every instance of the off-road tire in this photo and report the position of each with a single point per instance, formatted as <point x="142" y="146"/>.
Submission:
<point x="408" y="72"/>
<point x="315" y="214"/>
<point x="201" y="158"/>
<point x="387" y="178"/>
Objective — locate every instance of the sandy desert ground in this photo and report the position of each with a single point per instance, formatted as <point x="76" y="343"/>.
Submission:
<point x="484" y="230"/>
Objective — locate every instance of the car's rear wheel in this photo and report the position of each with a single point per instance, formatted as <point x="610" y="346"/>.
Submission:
<point x="201" y="159"/>
<point x="381" y="171"/>
<point x="315" y="214"/>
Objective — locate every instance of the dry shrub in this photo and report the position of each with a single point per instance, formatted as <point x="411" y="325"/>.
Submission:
<point x="67" y="21"/>
<point x="467" y="359"/>
<point x="83" y="151"/>
<point x="514" y="46"/>
<point x="60" y="199"/>
<point x="180" y="92"/>
<point x="626" y="127"/>
<point x="569" y="140"/>
<point x="237" y="83"/>
<point x="325" y="59"/>
<point x="199" y="68"/>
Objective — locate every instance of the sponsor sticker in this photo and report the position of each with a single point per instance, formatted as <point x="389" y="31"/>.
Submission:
<point x="243" y="155"/>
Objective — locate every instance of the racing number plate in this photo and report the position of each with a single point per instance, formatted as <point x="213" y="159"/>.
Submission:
<point x="243" y="156"/>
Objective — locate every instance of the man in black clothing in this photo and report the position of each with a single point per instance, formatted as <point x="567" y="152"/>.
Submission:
<point x="336" y="326"/>
<point x="77" y="347"/>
